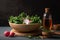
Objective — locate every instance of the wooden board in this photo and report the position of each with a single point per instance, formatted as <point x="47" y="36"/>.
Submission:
<point x="34" y="33"/>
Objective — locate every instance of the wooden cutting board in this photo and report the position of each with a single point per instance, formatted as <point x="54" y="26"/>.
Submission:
<point x="38" y="32"/>
<point x="34" y="33"/>
<point x="56" y="26"/>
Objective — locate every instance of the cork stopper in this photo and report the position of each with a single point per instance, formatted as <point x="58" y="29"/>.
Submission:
<point x="47" y="10"/>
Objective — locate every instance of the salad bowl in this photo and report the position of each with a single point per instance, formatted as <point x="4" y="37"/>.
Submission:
<point x="24" y="27"/>
<point x="24" y="23"/>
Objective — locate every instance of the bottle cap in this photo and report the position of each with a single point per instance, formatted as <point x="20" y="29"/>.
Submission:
<point x="47" y="9"/>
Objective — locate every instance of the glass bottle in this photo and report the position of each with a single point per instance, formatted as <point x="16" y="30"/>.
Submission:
<point x="47" y="19"/>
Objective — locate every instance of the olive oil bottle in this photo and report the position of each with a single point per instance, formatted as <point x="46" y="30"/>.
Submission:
<point x="47" y="19"/>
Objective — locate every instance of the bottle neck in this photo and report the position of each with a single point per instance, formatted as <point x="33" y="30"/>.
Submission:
<point x="46" y="10"/>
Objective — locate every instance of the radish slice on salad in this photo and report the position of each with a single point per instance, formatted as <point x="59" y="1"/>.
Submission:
<point x="27" y="21"/>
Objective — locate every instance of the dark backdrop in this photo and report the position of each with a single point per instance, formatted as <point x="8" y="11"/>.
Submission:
<point x="31" y="7"/>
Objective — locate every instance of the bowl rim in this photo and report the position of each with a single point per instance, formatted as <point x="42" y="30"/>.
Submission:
<point x="26" y="24"/>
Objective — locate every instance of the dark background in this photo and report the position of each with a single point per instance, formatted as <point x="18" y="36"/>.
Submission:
<point x="31" y="7"/>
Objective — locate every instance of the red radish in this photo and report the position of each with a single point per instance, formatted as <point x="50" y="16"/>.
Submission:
<point x="6" y="33"/>
<point x="11" y="34"/>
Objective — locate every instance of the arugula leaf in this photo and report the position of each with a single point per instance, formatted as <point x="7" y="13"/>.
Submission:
<point x="23" y="15"/>
<point x="19" y="19"/>
<point x="35" y="19"/>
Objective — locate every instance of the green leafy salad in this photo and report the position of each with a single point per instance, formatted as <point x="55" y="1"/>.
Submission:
<point x="21" y="18"/>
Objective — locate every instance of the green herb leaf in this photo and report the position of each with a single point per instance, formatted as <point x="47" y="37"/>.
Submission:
<point x="19" y="19"/>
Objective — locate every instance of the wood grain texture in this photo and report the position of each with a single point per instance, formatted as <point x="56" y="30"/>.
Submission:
<point x="34" y="33"/>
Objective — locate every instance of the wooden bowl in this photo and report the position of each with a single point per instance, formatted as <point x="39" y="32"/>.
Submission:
<point x="24" y="27"/>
